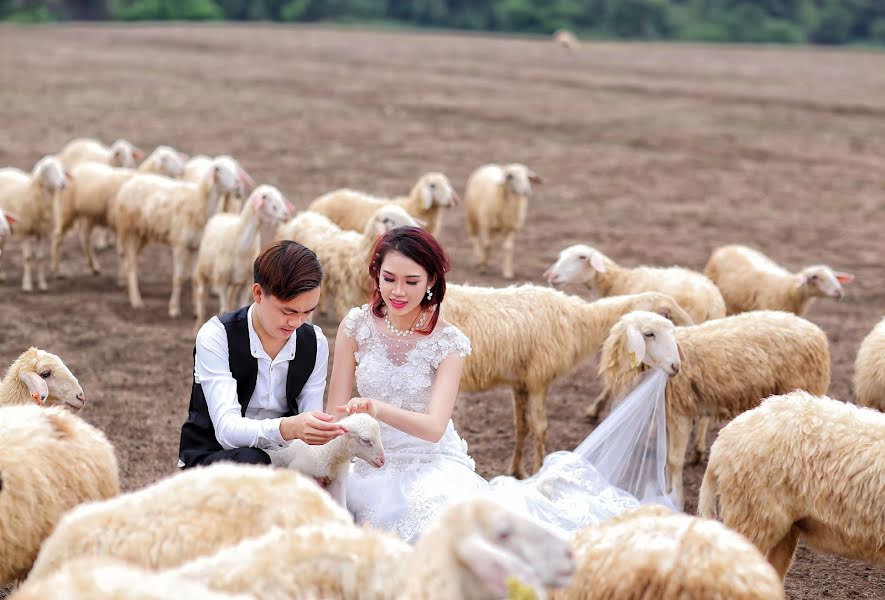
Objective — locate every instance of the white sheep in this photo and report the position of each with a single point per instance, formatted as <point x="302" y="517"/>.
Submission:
<point x="496" y="201"/>
<point x="566" y="39"/>
<point x="430" y="196"/>
<point x="801" y="466"/>
<point x="40" y="377"/>
<point x="651" y="553"/>
<point x="196" y="167"/>
<point x="191" y="514"/>
<point x="50" y="461"/>
<point x="693" y="291"/>
<point x="869" y="369"/>
<point x="749" y="280"/>
<point x="719" y="368"/>
<point x="151" y="208"/>
<point x="6" y="221"/>
<point x="229" y="246"/>
<point x="120" y="154"/>
<point x="524" y="337"/>
<point x="331" y="461"/>
<point x="92" y="196"/>
<point x="30" y="198"/>
<point x="343" y="254"/>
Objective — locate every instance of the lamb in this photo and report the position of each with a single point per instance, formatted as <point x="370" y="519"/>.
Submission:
<point x="151" y="208"/>
<point x="801" y="466"/>
<point x="693" y="291"/>
<point x="496" y="201"/>
<point x="720" y="368"/>
<point x="651" y="553"/>
<point x="30" y="198"/>
<point x="50" y="462"/>
<point x="81" y="150"/>
<point x="37" y="376"/>
<point x="6" y="221"/>
<point x="92" y="197"/>
<point x="430" y="196"/>
<point x="749" y="280"/>
<point x="869" y="369"/>
<point x="524" y="337"/>
<point x="196" y="169"/>
<point x="344" y="254"/>
<point x="229" y="246"/>
<point x="566" y="39"/>
<point x="191" y="514"/>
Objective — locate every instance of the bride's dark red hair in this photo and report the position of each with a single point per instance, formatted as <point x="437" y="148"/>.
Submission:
<point x="418" y="245"/>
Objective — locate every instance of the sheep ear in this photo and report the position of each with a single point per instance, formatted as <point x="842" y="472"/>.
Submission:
<point x="843" y="278"/>
<point x="137" y="153"/>
<point x="534" y="177"/>
<point x="635" y="346"/>
<point x="421" y="223"/>
<point x="497" y="569"/>
<point x="597" y="263"/>
<point x="426" y="198"/>
<point x="245" y="178"/>
<point x="801" y="279"/>
<point x="10" y="217"/>
<point x="290" y="208"/>
<point x="36" y="385"/>
<point x="256" y="201"/>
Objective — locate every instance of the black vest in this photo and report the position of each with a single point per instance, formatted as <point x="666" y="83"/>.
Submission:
<point x="197" y="434"/>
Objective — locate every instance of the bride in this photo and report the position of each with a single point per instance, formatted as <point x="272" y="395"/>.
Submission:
<point x="406" y="361"/>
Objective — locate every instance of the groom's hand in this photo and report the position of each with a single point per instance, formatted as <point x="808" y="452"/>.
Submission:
<point x="313" y="428"/>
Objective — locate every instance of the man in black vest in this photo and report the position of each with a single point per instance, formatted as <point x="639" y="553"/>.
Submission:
<point x="260" y="371"/>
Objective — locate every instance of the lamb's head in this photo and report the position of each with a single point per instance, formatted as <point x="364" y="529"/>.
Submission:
<point x="363" y="438"/>
<point x="642" y="338"/>
<point x="50" y="174"/>
<point x="224" y="175"/>
<point x="125" y="154"/>
<point x="519" y="179"/>
<point x="577" y="264"/>
<point x="497" y="548"/>
<point x="389" y="216"/>
<point x="663" y="305"/>
<point x="165" y="161"/>
<point x="821" y="280"/>
<point x="46" y="379"/>
<point x="270" y="204"/>
<point x="244" y="181"/>
<point x="435" y="188"/>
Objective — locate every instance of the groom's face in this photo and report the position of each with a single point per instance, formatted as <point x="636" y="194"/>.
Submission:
<point x="280" y="318"/>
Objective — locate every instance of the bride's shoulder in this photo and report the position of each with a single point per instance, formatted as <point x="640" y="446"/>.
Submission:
<point x="451" y="339"/>
<point x="356" y="322"/>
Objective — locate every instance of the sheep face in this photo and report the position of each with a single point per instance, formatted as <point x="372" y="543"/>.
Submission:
<point x="651" y="340"/>
<point x="244" y="181"/>
<point x="390" y="217"/>
<point x="519" y="179"/>
<point x="167" y="161"/>
<point x="49" y="380"/>
<point x="124" y="154"/>
<point x="435" y="188"/>
<point x="821" y="280"/>
<point x="51" y="174"/>
<point x="225" y="176"/>
<point x="270" y="204"/>
<point x="364" y="438"/>
<point x="573" y="265"/>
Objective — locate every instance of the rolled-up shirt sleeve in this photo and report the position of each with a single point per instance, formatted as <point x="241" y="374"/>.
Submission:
<point x="311" y="396"/>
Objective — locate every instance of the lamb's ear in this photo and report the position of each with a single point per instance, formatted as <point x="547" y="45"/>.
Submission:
<point x="597" y="262"/>
<point x="801" y="279"/>
<point x="635" y="346"/>
<point x="256" y="200"/>
<point x="843" y="278"/>
<point x="534" y="177"/>
<point x="10" y="217"/>
<point x="137" y="153"/>
<point x="426" y="198"/>
<point x="36" y="386"/>
<point x="497" y="569"/>
<point x="245" y="178"/>
<point x="290" y="208"/>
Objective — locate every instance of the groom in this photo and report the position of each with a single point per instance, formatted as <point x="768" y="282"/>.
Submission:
<point x="260" y="371"/>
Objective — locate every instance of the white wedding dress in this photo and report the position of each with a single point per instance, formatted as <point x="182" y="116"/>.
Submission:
<point x="419" y="478"/>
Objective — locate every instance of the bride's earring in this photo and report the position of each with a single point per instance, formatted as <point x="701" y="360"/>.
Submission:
<point x="429" y="293"/>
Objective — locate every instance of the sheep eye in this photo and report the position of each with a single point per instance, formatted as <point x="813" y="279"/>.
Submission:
<point x="813" y="278"/>
<point x="650" y="334"/>
<point x="582" y="257"/>
<point x="365" y="441"/>
<point x="503" y="536"/>
<point x="46" y="374"/>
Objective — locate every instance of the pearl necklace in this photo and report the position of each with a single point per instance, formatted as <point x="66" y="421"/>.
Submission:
<point x="399" y="332"/>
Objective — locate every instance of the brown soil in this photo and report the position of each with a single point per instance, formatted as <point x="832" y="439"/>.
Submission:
<point x="654" y="153"/>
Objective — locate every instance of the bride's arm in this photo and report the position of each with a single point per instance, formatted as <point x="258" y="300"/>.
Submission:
<point x="343" y="368"/>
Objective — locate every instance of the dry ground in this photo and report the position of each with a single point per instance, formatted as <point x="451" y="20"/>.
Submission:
<point x="653" y="153"/>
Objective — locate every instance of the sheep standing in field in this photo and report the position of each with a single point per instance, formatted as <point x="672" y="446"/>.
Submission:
<point x="37" y="376"/>
<point x="191" y="514"/>
<point x="869" y="369"/>
<point x="719" y="369"/>
<point x="651" y="553"/>
<point x="350" y="209"/>
<point x="749" y="280"/>
<point x="92" y="196"/>
<point x="31" y="198"/>
<point x="50" y="461"/>
<point x="343" y="254"/>
<point x="496" y="201"/>
<point x="81" y="150"/>
<point x="566" y="39"/>
<point x="228" y="248"/>
<point x="195" y="169"/>
<point x="151" y="208"/>
<point x="801" y="466"/>
<point x="524" y="337"/>
<point x="6" y="221"/>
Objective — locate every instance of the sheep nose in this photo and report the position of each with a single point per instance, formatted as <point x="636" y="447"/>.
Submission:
<point x="81" y="397"/>
<point x="675" y="368"/>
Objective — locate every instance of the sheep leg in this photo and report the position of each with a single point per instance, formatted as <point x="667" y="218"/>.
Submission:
<point x="598" y="404"/>
<point x="86" y="237"/>
<point x="233" y="292"/>
<point x="130" y="267"/>
<point x="58" y="231"/>
<point x="337" y="490"/>
<point x="482" y="246"/>
<point x="678" y="432"/>
<point x="180" y="260"/>
<point x="538" y="425"/>
<point x="781" y="555"/>
<point x="41" y="264"/>
<point x="520" y="425"/>
<point x="507" y="253"/>
<point x="101" y="240"/>
<point x="2" y="269"/>
<point x="225" y="293"/>
<point x="199" y="294"/>
<point x="700" y="443"/>
<point x="27" y="286"/>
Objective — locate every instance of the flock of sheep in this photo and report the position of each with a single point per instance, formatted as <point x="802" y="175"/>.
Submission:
<point x="791" y="464"/>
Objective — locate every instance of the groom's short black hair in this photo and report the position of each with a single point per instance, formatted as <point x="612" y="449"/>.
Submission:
<point x="287" y="269"/>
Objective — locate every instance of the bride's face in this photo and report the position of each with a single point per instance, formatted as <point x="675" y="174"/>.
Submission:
<point x="402" y="284"/>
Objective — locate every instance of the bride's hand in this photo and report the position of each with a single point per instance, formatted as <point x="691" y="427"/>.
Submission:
<point x="360" y="405"/>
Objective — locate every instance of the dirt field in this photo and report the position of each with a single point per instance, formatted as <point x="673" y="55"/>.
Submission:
<point x="653" y="153"/>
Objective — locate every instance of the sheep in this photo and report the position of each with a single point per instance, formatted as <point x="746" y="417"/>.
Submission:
<point x="749" y="280"/>
<point x="6" y="221"/>
<point x="190" y="514"/>
<point x="524" y="337"/>
<point x="50" y="462"/>
<point x="229" y="246"/>
<point x="195" y="169"/>
<point x="331" y="461"/>
<point x="728" y="365"/>
<point x="151" y="208"/>
<point x="37" y="376"/>
<point x="496" y="201"/>
<point x="869" y="369"/>
<point x="343" y="254"/>
<point x="801" y="466"/>
<point x="651" y="553"/>
<point x="92" y="196"/>
<point x="350" y="209"/>
<point x="30" y="198"/>
<point x="566" y="39"/>
<point x="693" y="291"/>
<point x="81" y="150"/>
<point x="103" y="579"/>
